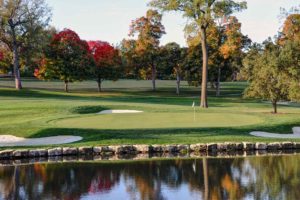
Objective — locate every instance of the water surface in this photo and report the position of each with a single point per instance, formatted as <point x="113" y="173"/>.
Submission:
<point x="268" y="177"/>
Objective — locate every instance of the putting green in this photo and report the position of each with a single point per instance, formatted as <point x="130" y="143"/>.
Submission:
<point x="158" y="120"/>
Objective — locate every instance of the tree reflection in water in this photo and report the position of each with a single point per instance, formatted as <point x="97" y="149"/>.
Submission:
<point x="276" y="177"/>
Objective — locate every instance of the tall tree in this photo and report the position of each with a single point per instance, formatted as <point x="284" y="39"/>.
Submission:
<point x="129" y="58"/>
<point x="200" y="14"/>
<point x="149" y="30"/>
<point x="107" y="61"/>
<point x="67" y="58"/>
<point x="21" y="20"/>
<point x="232" y="44"/>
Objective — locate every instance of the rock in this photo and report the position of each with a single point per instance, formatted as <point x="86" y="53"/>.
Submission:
<point x="297" y="145"/>
<point x="260" y="146"/>
<point x="143" y="148"/>
<point x="70" y="151"/>
<point x="158" y="148"/>
<point x="97" y="150"/>
<point x="212" y="147"/>
<point x="123" y="149"/>
<point x="287" y="145"/>
<point x="248" y="146"/>
<point x="183" y="149"/>
<point x="108" y="149"/>
<point x="171" y="148"/>
<point x="55" y="152"/>
<point x="6" y="154"/>
<point x="126" y="149"/>
<point x="38" y="153"/>
<point x="232" y="146"/>
<point x="21" y="153"/>
<point x="198" y="147"/>
<point x="222" y="147"/>
<point x="85" y="150"/>
<point x="274" y="146"/>
<point x="239" y="146"/>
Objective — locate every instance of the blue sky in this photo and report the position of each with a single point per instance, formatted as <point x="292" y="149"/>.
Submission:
<point x="109" y="20"/>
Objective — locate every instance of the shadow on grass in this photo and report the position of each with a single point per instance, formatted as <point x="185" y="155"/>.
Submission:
<point x="159" y="97"/>
<point x="167" y="136"/>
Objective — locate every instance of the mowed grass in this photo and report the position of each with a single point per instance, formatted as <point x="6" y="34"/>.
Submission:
<point x="43" y="109"/>
<point x="158" y="120"/>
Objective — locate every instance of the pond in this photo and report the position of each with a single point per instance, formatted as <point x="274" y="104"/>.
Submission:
<point x="261" y="177"/>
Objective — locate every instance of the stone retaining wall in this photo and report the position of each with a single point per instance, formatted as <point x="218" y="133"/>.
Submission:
<point x="142" y="149"/>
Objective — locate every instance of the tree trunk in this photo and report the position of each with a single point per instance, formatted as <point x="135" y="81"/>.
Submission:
<point x="16" y="61"/>
<point x="204" y="103"/>
<point x="66" y="86"/>
<point x="218" y="83"/>
<point x="274" y="103"/>
<point x="178" y="80"/>
<point x="99" y="82"/>
<point x="153" y="77"/>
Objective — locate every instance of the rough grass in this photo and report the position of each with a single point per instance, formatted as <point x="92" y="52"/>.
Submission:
<point x="43" y="109"/>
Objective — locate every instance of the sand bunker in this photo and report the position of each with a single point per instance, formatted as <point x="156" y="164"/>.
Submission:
<point x="119" y="111"/>
<point x="294" y="135"/>
<point x="10" y="140"/>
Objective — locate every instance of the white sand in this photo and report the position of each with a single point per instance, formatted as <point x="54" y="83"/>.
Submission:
<point x="119" y="111"/>
<point x="294" y="135"/>
<point x="10" y="140"/>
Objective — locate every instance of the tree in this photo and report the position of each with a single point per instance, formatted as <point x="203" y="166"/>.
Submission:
<point x="200" y="14"/>
<point x="231" y="48"/>
<point x="107" y="61"/>
<point x="32" y="50"/>
<point x="66" y="58"/>
<point x="291" y="29"/>
<point x="249" y="61"/>
<point x="149" y="30"/>
<point x="21" y="20"/>
<point x="129" y="58"/>
<point x="173" y="58"/>
<point x="275" y="75"/>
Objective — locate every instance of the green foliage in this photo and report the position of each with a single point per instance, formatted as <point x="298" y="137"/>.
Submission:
<point x="193" y="65"/>
<point x="249" y="61"/>
<point x="275" y="73"/>
<point x="172" y="61"/>
<point x="22" y="23"/>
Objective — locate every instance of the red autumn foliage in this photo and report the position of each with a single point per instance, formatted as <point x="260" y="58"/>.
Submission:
<point x="67" y="58"/>
<point x="70" y="37"/>
<point x="102" y="52"/>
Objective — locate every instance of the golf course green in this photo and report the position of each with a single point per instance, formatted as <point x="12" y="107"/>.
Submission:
<point x="43" y="109"/>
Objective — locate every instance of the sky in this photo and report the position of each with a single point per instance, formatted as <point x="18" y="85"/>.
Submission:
<point x="109" y="20"/>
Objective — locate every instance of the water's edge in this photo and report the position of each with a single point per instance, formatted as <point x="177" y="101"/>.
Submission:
<point x="144" y="157"/>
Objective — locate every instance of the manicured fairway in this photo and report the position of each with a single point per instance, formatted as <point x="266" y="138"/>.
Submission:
<point x="159" y="120"/>
<point x="43" y="109"/>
